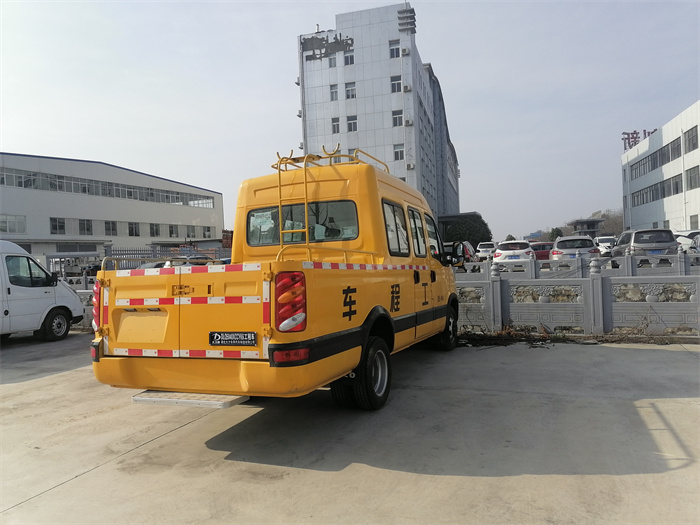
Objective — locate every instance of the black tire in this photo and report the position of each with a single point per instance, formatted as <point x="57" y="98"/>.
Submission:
<point x="447" y="340"/>
<point x="343" y="393"/>
<point x="373" y="377"/>
<point x="56" y="325"/>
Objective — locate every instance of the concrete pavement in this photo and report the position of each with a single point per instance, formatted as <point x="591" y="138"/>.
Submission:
<point x="563" y="433"/>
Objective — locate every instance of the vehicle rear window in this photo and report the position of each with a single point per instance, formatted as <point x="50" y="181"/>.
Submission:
<point x="513" y="246"/>
<point x="572" y="244"/>
<point x="328" y="221"/>
<point x="652" y="237"/>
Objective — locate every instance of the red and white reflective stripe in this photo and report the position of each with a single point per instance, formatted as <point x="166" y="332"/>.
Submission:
<point x="310" y="265"/>
<point x="266" y="301"/>
<point x="214" y="268"/>
<point x="152" y="352"/>
<point x="166" y="301"/>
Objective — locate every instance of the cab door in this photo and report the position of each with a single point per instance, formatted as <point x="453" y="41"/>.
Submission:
<point x="424" y="287"/>
<point x="441" y="276"/>
<point x="30" y="293"/>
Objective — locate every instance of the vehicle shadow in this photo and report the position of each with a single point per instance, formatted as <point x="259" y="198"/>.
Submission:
<point x="499" y="411"/>
<point x="24" y="357"/>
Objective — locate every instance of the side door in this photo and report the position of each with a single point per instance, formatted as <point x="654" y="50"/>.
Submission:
<point x="30" y="292"/>
<point x="440" y="275"/>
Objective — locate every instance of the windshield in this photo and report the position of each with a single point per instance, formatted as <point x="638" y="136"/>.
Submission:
<point x="651" y="237"/>
<point x="571" y="244"/>
<point x="606" y="240"/>
<point x="513" y="246"/>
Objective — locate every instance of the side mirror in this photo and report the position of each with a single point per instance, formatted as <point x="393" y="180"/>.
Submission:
<point x="457" y="253"/>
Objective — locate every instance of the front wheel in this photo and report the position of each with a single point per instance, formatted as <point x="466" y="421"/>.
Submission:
<point x="447" y="340"/>
<point x="56" y="325"/>
<point x="373" y="377"/>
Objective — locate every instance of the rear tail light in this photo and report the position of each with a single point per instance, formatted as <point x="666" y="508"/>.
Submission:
<point x="497" y="254"/>
<point x="287" y="356"/>
<point x="528" y="252"/>
<point x="290" y="301"/>
<point x="594" y="250"/>
<point x="557" y="252"/>
<point x="96" y="305"/>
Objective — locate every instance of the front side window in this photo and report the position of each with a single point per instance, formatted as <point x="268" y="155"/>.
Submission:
<point x="328" y="221"/>
<point x="436" y="248"/>
<point x="24" y="271"/>
<point x="417" y="232"/>
<point x="396" y="233"/>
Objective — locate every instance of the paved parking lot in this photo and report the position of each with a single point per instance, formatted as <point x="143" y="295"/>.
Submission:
<point x="559" y="434"/>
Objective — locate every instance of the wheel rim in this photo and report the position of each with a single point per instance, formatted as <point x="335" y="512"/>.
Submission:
<point x="59" y="325"/>
<point x="380" y="369"/>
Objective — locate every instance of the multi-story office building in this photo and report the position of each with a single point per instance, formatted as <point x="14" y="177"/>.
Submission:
<point x="661" y="176"/>
<point x="52" y="206"/>
<point x="363" y="85"/>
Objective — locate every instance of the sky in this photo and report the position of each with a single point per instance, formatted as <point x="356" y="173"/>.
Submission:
<point x="537" y="93"/>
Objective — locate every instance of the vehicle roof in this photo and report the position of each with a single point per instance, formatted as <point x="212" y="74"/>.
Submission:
<point x="11" y="247"/>
<point x="568" y="237"/>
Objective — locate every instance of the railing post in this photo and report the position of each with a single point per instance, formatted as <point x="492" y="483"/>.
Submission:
<point x="496" y="313"/>
<point x="597" y="308"/>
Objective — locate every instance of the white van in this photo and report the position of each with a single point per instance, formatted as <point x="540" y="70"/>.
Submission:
<point x="32" y="298"/>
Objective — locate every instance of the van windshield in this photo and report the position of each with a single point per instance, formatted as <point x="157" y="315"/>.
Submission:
<point x="328" y="221"/>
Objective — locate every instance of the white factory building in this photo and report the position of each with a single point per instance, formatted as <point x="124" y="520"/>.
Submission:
<point x="661" y="176"/>
<point x="363" y="85"/>
<point x="54" y="205"/>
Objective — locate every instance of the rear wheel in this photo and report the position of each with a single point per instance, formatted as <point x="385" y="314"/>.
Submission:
<point x="373" y="377"/>
<point x="56" y="325"/>
<point x="447" y="340"/>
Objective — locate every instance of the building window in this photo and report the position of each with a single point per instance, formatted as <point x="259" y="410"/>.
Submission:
<point x="173" y="230"/>
<point x="667" y="224"/>
<point x="693" y="222"/>
<point x="85" y="227"/>
<point x="13" y="223"/>
<point x="397" y="118"/>
<point x="207" y="232"/>
<point x="334" y="92"/>
<point x="58" y="226"/>
<point x="396" y="84"/>
<point x="350" y="91"/>
<point x="191" y="232"/>
<point x="154" y="230"/>
<point x="352" y="123"/>
<point x="331" y="60"/>
<point x="677" y="182"/>
<point x="394" y="49"/>
<point x="111" y="228"/>
<point x="691" y="139"/>
<point x="335" y="125"/>
<point x="349" y="57"/>
<point x="134" y="230"/>
<point x="692" y="178"/>
<point x="398" y="151"/>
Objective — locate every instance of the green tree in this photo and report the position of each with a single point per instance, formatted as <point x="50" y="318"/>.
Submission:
<point x="472" y="228"/>
<point x="510" y="237"/>
<point x="554" y="233"/>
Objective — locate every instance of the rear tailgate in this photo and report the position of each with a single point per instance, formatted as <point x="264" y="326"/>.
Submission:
<point x="211" y="312"/>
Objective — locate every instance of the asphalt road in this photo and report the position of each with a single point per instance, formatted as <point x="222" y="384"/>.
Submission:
<point x="559" y="434"/>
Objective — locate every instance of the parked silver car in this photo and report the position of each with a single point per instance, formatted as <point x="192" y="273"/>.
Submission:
<point x="646" y="242"/>
<point x="574" y="246"/>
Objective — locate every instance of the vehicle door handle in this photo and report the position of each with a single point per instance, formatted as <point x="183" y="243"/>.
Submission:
<point x="433" y="277"/>
<point x="416" y="276"/>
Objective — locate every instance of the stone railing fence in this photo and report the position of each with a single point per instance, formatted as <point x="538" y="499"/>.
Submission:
<point x="650" y="295"/>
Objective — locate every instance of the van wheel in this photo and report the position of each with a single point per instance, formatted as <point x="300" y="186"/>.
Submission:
<point x="447" y="340"/>
<point x="56" y="325"/>
<point x="343" y="394"/>
<point x="373" y="376"/>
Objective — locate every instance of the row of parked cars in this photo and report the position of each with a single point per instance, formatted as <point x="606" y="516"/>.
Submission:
<point x="639" y="242"/>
